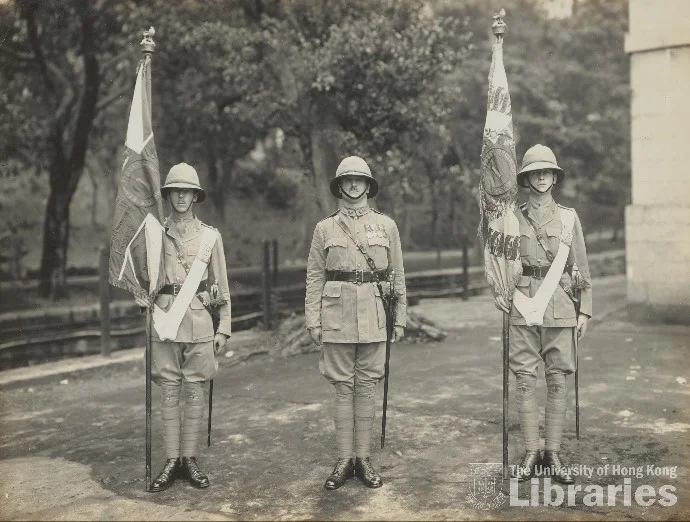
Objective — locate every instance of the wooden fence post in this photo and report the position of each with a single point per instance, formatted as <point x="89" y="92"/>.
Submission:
<point x="105" y="300"/>
<point x="266" y="284"/>
<point x="465" y="268"/>
<point x="275" y="262"/>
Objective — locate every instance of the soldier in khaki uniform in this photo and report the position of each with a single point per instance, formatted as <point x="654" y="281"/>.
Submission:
<point x="345" y="313"/>
<point x="190" y="359"/>
<point x="541" y="229"/>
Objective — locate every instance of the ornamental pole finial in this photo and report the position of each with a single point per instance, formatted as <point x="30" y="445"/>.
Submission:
<point x="499" y="26"/>
<point x="147" y="43"/>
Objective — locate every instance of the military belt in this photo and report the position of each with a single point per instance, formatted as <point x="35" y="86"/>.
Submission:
<point x="539" y="272"/>
<point x="174" y="289"/>
<point x="356" y="276"/>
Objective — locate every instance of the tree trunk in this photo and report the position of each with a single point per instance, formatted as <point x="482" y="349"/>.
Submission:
<point x="452" y="214"/>
<point x="66" y="168"/>
<point x="55" y="242"/>
<point x="407" y="224"/>
<point x="435" y="219"/>
<point x="435" y="235"/>
<point x="216" y="178"/>
<point x="324" y="165"/>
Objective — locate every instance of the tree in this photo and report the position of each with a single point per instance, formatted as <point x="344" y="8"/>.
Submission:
<point x="68" y="56"/>
<point x="594" y="89"/>
<point x="215" y="98"/>
<point x="365" y="69"/>
<point x="569" y="88"/>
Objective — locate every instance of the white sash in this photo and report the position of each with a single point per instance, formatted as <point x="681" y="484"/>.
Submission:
<point x="168" y="323"/>
<point x="533" y="308"/>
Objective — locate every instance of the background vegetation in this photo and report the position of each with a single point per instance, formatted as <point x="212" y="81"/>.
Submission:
<point x="265" y="97"/>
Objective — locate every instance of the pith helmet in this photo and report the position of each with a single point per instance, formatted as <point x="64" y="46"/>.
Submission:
<point x="538" y="157"/>
<point x="183" y="175"/>
<point x="353" y="166"/>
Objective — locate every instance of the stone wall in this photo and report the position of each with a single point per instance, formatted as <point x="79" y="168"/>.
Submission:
<point x="657" y="223"/>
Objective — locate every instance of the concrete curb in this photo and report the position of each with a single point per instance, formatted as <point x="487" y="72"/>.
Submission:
<point x="74" y="367"/>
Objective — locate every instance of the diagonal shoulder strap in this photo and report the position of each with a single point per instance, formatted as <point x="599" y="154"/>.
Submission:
<point x="386" y="301"/>
<point x="358" y="244"/>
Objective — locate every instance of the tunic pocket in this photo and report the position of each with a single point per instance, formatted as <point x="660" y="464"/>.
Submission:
<point x="563" y="306"/>
<point x="553" y="237"/>
<point x="332" y="306"/>
<point x="379" y="247"/>
<point x="336" y="253"/>
<point x="164" y="301"/>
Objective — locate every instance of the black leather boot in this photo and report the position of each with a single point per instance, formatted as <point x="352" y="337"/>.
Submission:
<point x="191" y="471"/>
<point x="365" y="472"/>
<point x="166" y="477"/>
<point x="344" y="469"/>
<point x="557" y="470"/>
<point x="527" y="467"/>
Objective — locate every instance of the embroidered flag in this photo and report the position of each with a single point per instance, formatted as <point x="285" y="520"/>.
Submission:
<point x="136" y="239"/>
<point x="499" y="228"/>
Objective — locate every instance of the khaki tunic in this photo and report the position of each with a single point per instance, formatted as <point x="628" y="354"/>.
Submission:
<point x="196" y="326"/>
<point x="350" y="312"/>
<point x="561" y="309"/>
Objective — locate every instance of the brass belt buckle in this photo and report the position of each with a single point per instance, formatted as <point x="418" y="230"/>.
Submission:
<point x="361" y="277"/>
<point x="176" y="289"/>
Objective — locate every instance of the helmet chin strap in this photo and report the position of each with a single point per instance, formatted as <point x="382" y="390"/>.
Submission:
<point x="350" y="197"/>
<point x="540" y="191"/>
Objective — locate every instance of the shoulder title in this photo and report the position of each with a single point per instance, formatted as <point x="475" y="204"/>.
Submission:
<point x="208" y="226"/>
<point x="330" y="215"/>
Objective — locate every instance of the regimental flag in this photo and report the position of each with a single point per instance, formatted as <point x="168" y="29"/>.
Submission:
<point x="136" y="240"/>
<point x="499" y="227"/>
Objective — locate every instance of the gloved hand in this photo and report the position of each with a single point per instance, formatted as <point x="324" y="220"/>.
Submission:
<point x="582" y="320"/>
<point x="398" y="334"/>
<point x="315" y="334"/>
<point x="220" y="341"/>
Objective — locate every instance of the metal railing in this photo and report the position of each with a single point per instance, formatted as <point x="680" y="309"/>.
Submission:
<point x="52" y="335"/>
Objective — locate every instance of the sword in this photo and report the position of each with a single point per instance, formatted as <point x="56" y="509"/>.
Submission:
<point x="210" y="411"/>
<point x="577" y="303"/>
<point x="577" y="386"/>
<point x="389" y="333"/>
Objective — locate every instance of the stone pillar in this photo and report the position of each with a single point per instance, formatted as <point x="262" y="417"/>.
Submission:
<point x="657" y="223"/>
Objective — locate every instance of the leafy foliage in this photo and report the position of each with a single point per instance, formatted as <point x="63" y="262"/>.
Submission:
<point x="400" y="83"/>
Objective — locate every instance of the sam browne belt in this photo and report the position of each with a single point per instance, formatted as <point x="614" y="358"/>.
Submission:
<point x="539" y="272"/>
<point x="356" y="276"/>
<point x="174" y="289"/>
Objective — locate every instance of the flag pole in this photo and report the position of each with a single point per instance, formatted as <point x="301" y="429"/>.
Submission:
<point x="498" y="28"/>
<point x="148" y="398"/>
<point x="506" y="348"/>
<point x="147" y="46"/>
